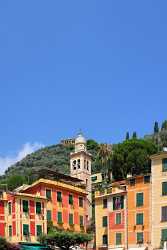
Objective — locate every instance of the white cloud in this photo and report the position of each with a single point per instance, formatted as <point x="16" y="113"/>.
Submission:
<point x="26" y="149"/>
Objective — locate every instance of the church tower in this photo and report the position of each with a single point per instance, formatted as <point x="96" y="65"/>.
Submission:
<point x="80" y="165"/>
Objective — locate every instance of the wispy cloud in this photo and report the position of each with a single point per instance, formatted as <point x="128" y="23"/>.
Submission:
<point x="26" y="149"/>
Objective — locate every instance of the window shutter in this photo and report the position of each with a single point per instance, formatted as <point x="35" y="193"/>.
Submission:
<point x="59" y="197"/>
<point x="38" y="207"/>
<point x="139" y="199"/>
<point x="164" y="165"/>
<point x="139" y="219"/>
<point x="164" y="213"/>
<point x="118" y="218"/>
<point x="25" y="206"/>
<point x="118" y="238"/>
<point x="10" y="231"/>
<point x="81" y="201"/>
<point x="71" y="219"/>
<point x="48" y="194"/>
<point x="59" y="215"/>
<point x="81" y="220"/>
<point x="164" y="188"/>
<point x="25" y="229"/>
<point x="39" y="230"/>
<point x="164" y="234"/>
<point x="139" y="237"/>
<point x="49" y="217"/>
<point x="105" y="239"/>
<point x="105" y="221"/>
<point x="70" y="199"/>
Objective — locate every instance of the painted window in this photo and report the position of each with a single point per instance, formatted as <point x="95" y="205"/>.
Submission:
<point x="48" y="194"/>
<point x="139" y="237"/>
<point x="39" y="230"/>
<point x="81" y="220"/>
<point x="10" y="231"/>
<point x="25" y="229"/>
<point x="25" y="206"/>
<point x="71" y="219"/>
<point x="118" y="218"/>
<point x="139" y="199"/>
<point x="118" y="202"/>
<point x="105" y="222"/>
<point x="59" y="218"/>
<point x="139" y="219"/>
<point x="59" y="197"/>
<point x="164" y="165"/>
<point x="146" y="179"/>
<point x="104" y="203"/>
<point x="118" y="238"/>
<point x="70" y="199"/>
<point x="49" y="215"/>
<point x="164" y="213"/>
<point x="164" y="234"/>
<point x="105" y="239"/>
<point x="94" y="178"/>
<point x="81" y="201"/>
<point x="10" y="208"/>
<point x="38" y="207"/>
<point x="164" y="188"/>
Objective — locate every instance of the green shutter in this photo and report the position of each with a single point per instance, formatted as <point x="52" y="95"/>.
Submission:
<point x="59" y="197"/>
<point x="139" y="219"/>
<point x="48" y="194"/>
<point x="164" y="234"/>
<point x="105" y="221"/>
<point x="94" y="178"/>
<point x="164" y="165"/>
<point x="49" y="216"/>
<point x="81" y="220"/>
<point x="70" y="199"/>
<point x="25" y="229"/>
<point x="38" y="207"/>
<point x="10" y="208"/>
<point x="59" y="218"/>
<point x="10" y="231"/>
<point x="164" y="188"/>
<point x="139" y="199"/>
<point x="71" y="219"/>
<point x="39" y="230"/>
<point x="25" y="206"/>
<point x="118" y="218"/>
<point x="105" y="239"/>
<point x="118" y="238"/>
<point x="139" y="237"/>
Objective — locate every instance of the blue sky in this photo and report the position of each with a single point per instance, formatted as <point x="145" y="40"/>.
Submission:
<point x="96" y="65"/>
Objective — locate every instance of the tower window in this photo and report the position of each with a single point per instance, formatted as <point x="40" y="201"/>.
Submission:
<point x="78" y="163"/>
<point x="87" y="165"/>
<point x="74" y="164"/>
<point x="84" y="163"/>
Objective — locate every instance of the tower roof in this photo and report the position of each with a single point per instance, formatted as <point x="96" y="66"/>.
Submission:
<point x="80" y="139"/>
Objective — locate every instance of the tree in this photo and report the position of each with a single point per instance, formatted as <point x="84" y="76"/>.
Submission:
<point x="134" y="136"/>
<point x="127" y="136"/>
<point x="164" y="125"/>
<point x="6" y="245"/>
<point x="156" y="127"/>
<point x="65" y="239"/>
<point x="132" y="156"/>
<point x="15" y="181"/>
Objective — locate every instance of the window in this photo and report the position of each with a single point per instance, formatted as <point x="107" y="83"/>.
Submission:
<point x="74" y="164"/>
<point x="118" y="238"/>
<point x="88" y="165"/>
<point x="78" y="163"/>
<point x="70" y="199"/>
<point x="59" y="197"/>
<point x="105" y="239"/>
<point x="118" y="202"/>
<point x="39" y="230"/>
<point x="10" y="208"/>
<point x="164" y="213"/>
<point x="49" y="215"/>
<point x="105" y="221"/>
<point x="132" y="182"/>
<point x="81" y="201"/>
<point x="146" y="179"/>
<point x="10" y="231"/>
<point x="164" y="188"/>
<point x="104" y="203"/>
<point x="118" y="218"/>
<point x="94" y="178"/>
<point x="71" y="219"/>
<point x="81" y="220"/>
<point x="48" y="194"/>
<point x="59" y="218"/>
<point x="38" y="207"/>
<point x="139" y="237"/>
<point x="164" y="165"/>
<point x="25" y="206"/>
<point x="139" y="219"/>
<point x="164" y="234"/>
<point x="25" y="229"/>
<point x="139" y="199"/>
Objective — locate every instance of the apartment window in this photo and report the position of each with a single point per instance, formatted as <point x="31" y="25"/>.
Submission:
<point x="139" y="219"/>
<point x="104" y="203"/>
<point x="105" y="239"/>
<point x="48" y="194"/>
<point x="164" y="213"/>
<point x="70" y="199"/>
<point x="49" y="215"/>
<point x="164" y="234"/>
<point x="10" y="231"/>
<point x="81" y="220"/>
<point x="38" y="208"/>
<point x="164" y="165"/>
<point x="10" y="208"/>
<point x="39" y="230"/>
<point x="118" y="238"/>
<point x="94" y="178"/>
<point x="25" y="229"/>
<point x="132" y="182"/>
<point x="139" y="237"/>
<point x="59" y="197"/>
<point x="59" y="218"/>
<point x="105" y="221"/>
<point x="118" y="218"/>
<point x="81" y="201"/>
<point x="25" y="206"/>
<point x="139" y="199"/>
<point x="164" y="188"/>
<point x="118" y="202"/>
<point x="71" y="219"/>
<point x="146" y="179"/>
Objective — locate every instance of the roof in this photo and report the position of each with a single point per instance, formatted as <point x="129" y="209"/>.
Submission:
<point x="159" y="155"/>
<point x="28" y="195"/>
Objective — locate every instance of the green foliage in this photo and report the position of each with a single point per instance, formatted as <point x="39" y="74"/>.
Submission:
<point x="134" y="136"/>
<point x="65" y="239"/>
<point x="14" y="181"/>
<point x="132" y="156"/>
<point x="6" y="245"/>
<point x="164" y="125"/>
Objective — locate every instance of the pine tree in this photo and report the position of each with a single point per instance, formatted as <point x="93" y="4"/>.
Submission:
<point x="127" y="136"/>
<point x="134" y="136"/>
<point x="164" y="125"/>
<point x="156" y="127"/>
